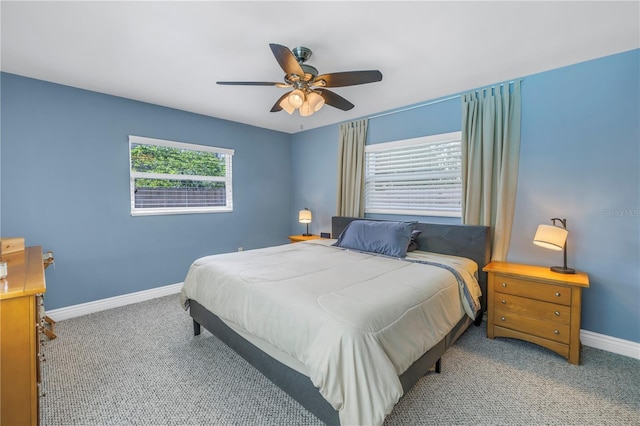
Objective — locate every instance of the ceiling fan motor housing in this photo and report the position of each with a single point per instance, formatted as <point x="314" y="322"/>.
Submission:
<point x="301" y="53"/>
<point x="309" y="72"/>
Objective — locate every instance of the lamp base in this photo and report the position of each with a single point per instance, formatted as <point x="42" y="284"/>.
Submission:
<point x="562" y="270"/>
<point x="306" y="235"/>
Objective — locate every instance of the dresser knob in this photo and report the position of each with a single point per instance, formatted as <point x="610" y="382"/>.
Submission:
<point x="557" y="294"/>
<point x="504" y="284"/>
<point x="503" y="319"/>
<point x="557" y="313"/>
<point x="504" y="302"/>
<point x="556" y="332"/>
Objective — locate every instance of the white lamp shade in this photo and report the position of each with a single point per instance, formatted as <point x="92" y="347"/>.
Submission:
<point x="315" y="101"/>
<point x="304" y="216"/>
<point x="287" y="106"/>
<point x="305" y="109"/>
<point x="296" y="98"/>
<point x="551" y="237"/>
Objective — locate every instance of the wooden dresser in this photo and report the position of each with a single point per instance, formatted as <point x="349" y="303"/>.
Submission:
<point x="535" y="304"/>
<point x="20" y="297"/>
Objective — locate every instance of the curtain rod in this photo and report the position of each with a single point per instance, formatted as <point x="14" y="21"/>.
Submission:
<point x="432" y="102"/>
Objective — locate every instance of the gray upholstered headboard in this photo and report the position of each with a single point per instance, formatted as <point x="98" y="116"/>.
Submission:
<point x="473" y="242"/>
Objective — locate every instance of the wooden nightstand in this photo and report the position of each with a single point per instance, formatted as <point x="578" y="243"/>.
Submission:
<point x="298" y="238"/>
<point x="535" y="304"/>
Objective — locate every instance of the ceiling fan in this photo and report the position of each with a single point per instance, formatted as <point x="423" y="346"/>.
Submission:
<point x="309" y="92"/>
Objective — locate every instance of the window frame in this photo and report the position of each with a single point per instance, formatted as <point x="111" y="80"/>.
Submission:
<point x="427" y="210"/>
<point x="151" y="211"/>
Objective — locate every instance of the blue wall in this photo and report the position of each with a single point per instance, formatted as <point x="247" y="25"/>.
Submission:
<point x="65" y="186"/>
<point x="579" y="159"/>
<point x="64" y="183"/>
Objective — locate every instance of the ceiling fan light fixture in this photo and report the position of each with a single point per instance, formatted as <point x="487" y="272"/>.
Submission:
<point x="306" y="109"/>
<point x="284" y="103"/>
<point x="315" y="101"/>
<point x="296" y="98"/>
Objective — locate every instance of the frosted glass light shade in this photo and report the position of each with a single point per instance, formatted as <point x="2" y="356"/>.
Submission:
<point x="551" y="237"/>
<point x="315" y="101"/>
<point x="305" y="109"/>
<point x="287" y="106"/>
<point x="296" y="98"/>
<point x="304" y="216"/>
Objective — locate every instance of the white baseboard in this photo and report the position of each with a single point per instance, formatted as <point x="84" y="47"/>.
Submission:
<point x="112" y="302"/>
<point x="610" y="344"/>
<point x="588" y="338"/>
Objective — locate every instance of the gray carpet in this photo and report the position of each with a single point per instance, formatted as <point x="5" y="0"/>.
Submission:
<point x="141" y="365"/>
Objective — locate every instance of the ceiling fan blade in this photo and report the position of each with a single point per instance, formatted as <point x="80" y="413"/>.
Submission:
<point x="285" y="58"/>
<point x="348" y="78"/>
<point x="276" y="107"/>
<point x="247" y="83"/>
<point x="335" y="100"/>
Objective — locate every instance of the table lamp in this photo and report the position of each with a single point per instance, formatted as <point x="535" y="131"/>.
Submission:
<point x="304" y="216"/>
<point x="554" y="238"/>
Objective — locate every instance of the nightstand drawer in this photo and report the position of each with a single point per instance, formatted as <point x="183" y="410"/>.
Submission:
<point x="521" y="306"/>
<point x="533" y="326"/>
<point x="532" y="289"/>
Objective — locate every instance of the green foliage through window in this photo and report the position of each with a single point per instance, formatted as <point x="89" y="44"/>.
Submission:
<point x="176" y="161"/>
<point x="168" y="177"/>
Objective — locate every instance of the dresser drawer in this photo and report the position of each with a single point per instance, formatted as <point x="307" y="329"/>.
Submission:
<point x="545" y="311"/>
<point x="532" y="289"/>
<point x="551" y="330"/>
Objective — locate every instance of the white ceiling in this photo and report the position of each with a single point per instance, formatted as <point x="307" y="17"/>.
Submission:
<point x="172" y="53"/>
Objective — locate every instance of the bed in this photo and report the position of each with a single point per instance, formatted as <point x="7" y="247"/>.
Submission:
<point x="316" y="319"/>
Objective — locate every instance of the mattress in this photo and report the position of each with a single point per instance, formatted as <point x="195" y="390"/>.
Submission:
<point x="351" y="321"/>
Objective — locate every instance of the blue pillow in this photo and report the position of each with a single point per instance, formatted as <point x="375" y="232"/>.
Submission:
<point x="388" y="238"/>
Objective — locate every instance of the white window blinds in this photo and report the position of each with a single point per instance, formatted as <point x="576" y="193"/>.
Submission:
<point x="420" y="176"/>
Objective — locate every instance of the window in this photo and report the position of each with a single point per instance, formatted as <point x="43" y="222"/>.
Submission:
<point x="172" y="177"/>
<point x="420" y="176"/>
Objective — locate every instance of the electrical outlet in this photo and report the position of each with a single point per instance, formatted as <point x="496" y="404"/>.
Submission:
<point x="240" y="249"/>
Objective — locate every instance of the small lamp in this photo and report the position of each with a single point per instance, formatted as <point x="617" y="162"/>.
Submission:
<point x="554" y="238"/>
<point x="304" y="216"/>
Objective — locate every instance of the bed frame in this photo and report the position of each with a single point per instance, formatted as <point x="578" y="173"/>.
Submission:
<point x="460" y="240"/>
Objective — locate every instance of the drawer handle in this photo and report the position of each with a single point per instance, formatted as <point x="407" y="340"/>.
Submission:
<point x="557" y="313"/>
<point x="504" y="302"/>
<point x="557" y="294"/>
<point x="504" y="284"/>
<point x="503" y="319"/>
<point x="556" y="332"/>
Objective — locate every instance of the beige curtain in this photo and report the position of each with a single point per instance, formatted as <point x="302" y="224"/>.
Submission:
<point x="351" y="168"/>
<point x="490" y="153"/>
